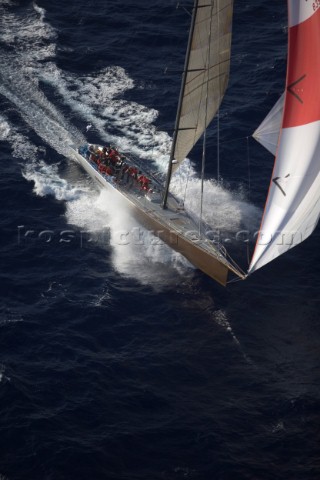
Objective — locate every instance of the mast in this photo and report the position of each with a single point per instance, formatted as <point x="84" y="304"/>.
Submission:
<point x="205" y="130"/>
<point x="183" y="84"/>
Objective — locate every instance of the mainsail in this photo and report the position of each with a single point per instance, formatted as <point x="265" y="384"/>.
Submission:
<point x="207" y="72"/>
<point x="293" y="206"/>
<point x="205" y="77"/>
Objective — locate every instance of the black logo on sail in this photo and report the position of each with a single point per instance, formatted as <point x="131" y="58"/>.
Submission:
<point x="291" y="90"/>
<point x="282" y="180"/>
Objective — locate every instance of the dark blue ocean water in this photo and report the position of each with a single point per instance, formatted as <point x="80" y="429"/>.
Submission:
<point x="117" y="359"/>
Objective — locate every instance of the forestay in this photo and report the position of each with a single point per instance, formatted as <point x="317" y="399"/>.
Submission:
<point x="207" y="73"/>
<point x="293" y="204"/>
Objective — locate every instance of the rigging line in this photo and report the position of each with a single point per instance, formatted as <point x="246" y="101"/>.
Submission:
<point x="233" y="262"/>
<point x="202" y="178"/>
<point x="248" y="254"/>
<point x="188" y="176"/>
<point x="180" y="175"/>
<point x="206" y="119"/>
<point x="227" y="260"/>
<point x="187" y="11"/>
<point x="234" y="140"/>
<point x="249" y="189"/>
<point x="218" y="147"/>
<point x="183" y="8"/>
<point x="235" y="280"/>
<point x="249" y="168"/>
<point x="218" y="112"/>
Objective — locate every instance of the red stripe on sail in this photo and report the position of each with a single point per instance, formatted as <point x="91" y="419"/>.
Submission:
<point x="302" y="103"/>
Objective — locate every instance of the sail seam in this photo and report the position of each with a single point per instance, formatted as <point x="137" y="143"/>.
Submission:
<point x="217" y="77"/>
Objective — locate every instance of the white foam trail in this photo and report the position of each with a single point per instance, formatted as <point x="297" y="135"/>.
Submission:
<point x="40" y="11"/>
<point x="223" y="210"/>
<point x="2" y="378"/>
<point x="33" y="40"/>
<point x="8" y="316"/>
<point x="4" y="128"/>
<point x="21" y="146"/>
<point x="33" y="110"/>
<point x="136" y="253"/>
<point x="47" y="181"/>
<point x="221" y="319"/>
<point x="95" y="97"/>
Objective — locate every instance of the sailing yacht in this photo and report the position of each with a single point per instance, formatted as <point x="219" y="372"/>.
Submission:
<point x="291" y="132"/>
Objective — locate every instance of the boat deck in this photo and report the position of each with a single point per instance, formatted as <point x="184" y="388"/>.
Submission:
<point x="172" y="224"/>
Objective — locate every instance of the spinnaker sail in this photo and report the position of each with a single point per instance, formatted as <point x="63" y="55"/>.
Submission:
<point x="293" y="205"/>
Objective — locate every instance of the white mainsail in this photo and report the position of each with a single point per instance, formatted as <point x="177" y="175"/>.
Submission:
<point x="293" y="206"/>
<point x="207" y="73"/>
